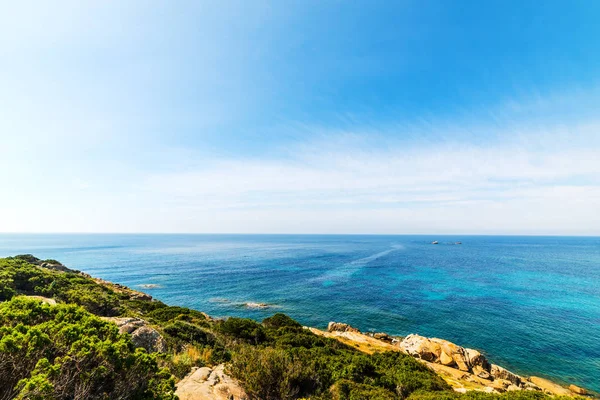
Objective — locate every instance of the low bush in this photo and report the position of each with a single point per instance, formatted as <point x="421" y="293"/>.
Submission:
<point x="183" y="333"/>
<point x="243" y="329"/>
<point x="169" y="313"/>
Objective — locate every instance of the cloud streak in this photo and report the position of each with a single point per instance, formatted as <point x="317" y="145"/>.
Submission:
<point x="416" y="175"/>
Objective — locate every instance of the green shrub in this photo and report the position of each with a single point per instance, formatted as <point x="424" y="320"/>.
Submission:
<point x="268" y="374"/>
<point x="348" y="390"/>
<point x="168" y="313"/>
<point x="244" y="329"/>
<point x="64" y="352"/>
<point x="280" y="320"/>
<point x="184" y="333"/>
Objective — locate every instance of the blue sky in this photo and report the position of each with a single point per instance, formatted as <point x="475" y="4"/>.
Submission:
<point x="300" y="117"/>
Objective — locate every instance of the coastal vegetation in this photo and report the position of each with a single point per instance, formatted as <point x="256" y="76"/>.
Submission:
<point x="66" y="335"/>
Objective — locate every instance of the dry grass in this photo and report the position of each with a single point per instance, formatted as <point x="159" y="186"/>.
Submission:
<point x="361" y="342"/>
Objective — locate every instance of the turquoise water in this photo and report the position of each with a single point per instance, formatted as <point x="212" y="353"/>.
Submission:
<point x="531" y="303"/>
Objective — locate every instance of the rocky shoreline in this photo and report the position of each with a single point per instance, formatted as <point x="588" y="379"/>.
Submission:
<point x="463" y="368"/>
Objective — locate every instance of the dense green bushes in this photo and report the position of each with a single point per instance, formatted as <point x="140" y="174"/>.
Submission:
<point x="243" y="329"/>
<point x="270" y="374"/>
<point x="168" y="313"/>
<point x="64" y="352"/>
<point x="291" y="362"/>
<point x="18" y="276"/>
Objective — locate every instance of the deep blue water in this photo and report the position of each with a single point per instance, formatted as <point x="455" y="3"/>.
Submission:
<point x="532" y="304"/>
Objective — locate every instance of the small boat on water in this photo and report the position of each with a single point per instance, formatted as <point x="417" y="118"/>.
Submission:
<point x="435" y="242"/>
<point x="458" y="243"/>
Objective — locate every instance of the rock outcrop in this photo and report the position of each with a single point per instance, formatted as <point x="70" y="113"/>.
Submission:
<point x="497" y="372"/>
<point x="341" y="327"/>
<point x="48" y="264"/>
<point x="383" y="336"/>
<point x="463" y="365"/>
<point x="549" y="386"/>
<point x="142" y="335"/>
<point x="209" y="384"/>
<point x="443" y="352"/>
<point x="148" y="338"/>
<point x="578" y="390"/>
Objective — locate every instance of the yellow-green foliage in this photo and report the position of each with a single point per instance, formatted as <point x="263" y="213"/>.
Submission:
<point x="190" y="356"/>
<point x="64" y="352"/>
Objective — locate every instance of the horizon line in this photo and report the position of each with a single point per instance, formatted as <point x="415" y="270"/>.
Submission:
<point x="300" y="234"/>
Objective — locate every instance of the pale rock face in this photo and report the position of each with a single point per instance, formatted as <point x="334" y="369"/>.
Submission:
<point x="209" y="384"/>
<point x="142" y="335"/>
<point x="456" y="352"/>
<point x="460" y="361"/>
<point x="420" y="347"/>
<point x="149" y="338"/>
<point x="445" y="359"/>
<point x="501" y="373"/>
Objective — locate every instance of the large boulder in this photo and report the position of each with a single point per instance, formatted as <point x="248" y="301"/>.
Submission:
<point x="383" y="336"/>
<point x="578" y="390"/>
<point x="340" y="327"/>
<point x="443" y="352"/>
<point x="446" y="359"/>
<point x="149" y="338"/>
<point x="454" y="352"/>
<point x="475" y="358"/>
<point x="142" y="335"/>
<point x="421" y="347"/>
<point x="210" y="384"/>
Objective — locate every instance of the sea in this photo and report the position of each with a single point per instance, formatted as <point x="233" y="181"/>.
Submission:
<point x="531" y="304"/>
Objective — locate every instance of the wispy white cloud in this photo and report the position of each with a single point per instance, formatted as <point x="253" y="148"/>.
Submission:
<point x="346" y="171"/>
<point x="541" y="178"/>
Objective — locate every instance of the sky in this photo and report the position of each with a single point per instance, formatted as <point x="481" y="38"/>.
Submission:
<point x="397" y="117"/>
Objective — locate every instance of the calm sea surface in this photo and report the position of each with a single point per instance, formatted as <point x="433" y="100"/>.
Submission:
<point x="532" y="304"/>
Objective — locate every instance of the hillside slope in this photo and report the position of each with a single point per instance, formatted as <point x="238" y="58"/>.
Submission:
<point x="103" y="340"/>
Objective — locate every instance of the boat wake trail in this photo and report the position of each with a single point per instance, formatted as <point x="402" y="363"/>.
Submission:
<point x="345" y="271"/>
